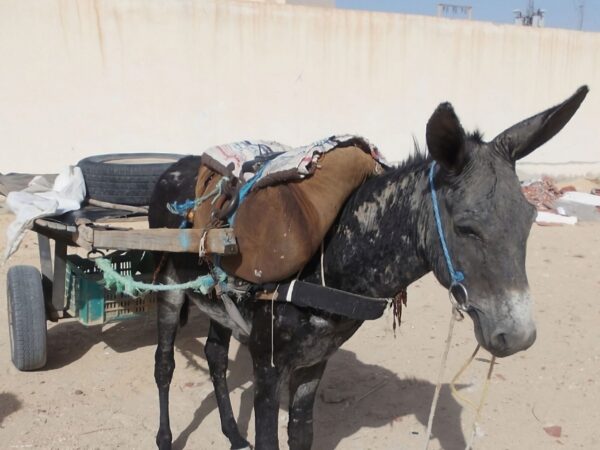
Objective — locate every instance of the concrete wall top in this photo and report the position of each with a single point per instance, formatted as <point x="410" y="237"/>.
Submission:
<point x="85" y="77"/>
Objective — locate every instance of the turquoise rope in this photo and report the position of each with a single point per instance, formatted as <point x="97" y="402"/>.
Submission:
<point x="121" y="283"/>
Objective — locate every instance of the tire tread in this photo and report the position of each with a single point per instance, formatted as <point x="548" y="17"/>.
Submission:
<point x="28" y="315"/>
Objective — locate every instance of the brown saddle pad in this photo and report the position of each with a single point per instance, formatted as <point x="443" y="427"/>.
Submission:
<point x="280" y="227"/>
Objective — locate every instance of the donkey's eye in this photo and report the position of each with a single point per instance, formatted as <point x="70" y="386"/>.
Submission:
<point x="468" y="231"/>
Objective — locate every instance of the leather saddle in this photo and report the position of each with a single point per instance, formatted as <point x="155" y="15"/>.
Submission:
<point x="281" y="226"/>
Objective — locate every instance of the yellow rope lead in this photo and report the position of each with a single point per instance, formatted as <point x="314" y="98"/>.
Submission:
<point x="466" y="401"/>
<point x="460" y="398"/>
<point x="481" y="401"/>
<point x="453" y="389"/>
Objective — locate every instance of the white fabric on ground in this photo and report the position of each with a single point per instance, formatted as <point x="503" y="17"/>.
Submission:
<point x="548" y="217"/>
<point x="582" y="197"/>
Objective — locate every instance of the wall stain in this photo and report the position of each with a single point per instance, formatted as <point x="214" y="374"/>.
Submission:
<point x="100" y="32"/>
<point x="78" y="15"/>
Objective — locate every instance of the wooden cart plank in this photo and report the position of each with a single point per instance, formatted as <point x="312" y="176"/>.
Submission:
<point x="60" y="271"/>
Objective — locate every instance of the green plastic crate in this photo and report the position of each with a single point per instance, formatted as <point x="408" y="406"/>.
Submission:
<point x="92" y="304"/>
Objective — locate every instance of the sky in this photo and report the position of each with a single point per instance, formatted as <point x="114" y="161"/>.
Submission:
<point x="559" y="13"/>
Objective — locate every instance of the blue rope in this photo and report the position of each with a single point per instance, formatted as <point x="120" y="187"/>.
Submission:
<point x="245" y="189"/>
<point x="457" y="276"/>
<point x="183" y="208"/>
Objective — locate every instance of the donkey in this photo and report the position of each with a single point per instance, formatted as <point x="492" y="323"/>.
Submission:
<point x="386" y="237"/>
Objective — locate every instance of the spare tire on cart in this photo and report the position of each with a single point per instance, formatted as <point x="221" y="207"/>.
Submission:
<point x="124" y="178"/>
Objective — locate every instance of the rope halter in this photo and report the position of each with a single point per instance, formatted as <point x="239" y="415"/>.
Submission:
<point x="456" y="276"/>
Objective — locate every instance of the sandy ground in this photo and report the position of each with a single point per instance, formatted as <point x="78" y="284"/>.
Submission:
<point x="97" y="390"/>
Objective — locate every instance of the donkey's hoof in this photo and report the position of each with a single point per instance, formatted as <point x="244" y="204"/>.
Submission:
<point x="239" y="443"/>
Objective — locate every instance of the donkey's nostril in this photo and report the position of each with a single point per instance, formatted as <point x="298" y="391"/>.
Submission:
<point x="499" y="340"/>
<point x="505" y="342"/>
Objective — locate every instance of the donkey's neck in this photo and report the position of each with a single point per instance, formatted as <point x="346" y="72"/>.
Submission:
<point x="379" y="244"/>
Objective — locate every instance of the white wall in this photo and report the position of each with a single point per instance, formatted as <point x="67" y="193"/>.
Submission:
<point x="85" y="77"/>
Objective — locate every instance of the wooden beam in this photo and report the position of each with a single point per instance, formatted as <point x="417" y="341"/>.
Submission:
<point x="46" y="267"/>
<point x="134" y="209"/>
<point x="217" y="241"/>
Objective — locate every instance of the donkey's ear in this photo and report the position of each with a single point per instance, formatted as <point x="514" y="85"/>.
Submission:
<point x="524" y="137"/>
<point x="446" y="138"/>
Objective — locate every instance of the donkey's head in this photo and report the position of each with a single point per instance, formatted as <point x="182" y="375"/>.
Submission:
<point x="486" y="220"/>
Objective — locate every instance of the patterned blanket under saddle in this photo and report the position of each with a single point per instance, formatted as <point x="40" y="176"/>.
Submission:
<point x="244" y="159"/>
<point x="278" y="220"/>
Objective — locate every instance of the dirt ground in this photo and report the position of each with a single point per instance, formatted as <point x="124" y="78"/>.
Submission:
<point x="97" y="390"/>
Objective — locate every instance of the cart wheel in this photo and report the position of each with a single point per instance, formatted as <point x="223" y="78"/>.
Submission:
<point x="26" y="317"/>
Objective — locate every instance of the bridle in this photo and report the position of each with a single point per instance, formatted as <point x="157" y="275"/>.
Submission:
<point x="456" y="276"/>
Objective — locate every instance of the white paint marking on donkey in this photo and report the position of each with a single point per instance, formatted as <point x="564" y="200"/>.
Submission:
<point x="519" y="307"/>
<point x="367" y="213"/>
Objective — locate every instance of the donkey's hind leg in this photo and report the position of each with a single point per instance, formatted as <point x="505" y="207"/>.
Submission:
<point x="303" y="388"/>
<point x="216" y="351"/>
<point x="168" y="312"/>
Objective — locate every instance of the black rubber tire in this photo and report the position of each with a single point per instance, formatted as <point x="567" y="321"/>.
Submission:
<point x="128" y="182"/>
<point x="26" y="317"/>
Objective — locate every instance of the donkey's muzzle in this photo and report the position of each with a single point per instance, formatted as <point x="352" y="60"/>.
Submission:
<point x="505" y="325"/>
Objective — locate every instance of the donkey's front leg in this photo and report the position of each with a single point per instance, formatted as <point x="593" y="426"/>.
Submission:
<point x="216" y="351"/>
<point x="267" y="380"/>
<point x="169" y="307"/>
<point x="303" y="388"/>
<point x="266" y="406"/>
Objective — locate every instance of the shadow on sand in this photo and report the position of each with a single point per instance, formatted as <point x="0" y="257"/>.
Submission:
<point x="9" y="403"/>
<point x="68" y="341"/>
<point x="352" y="395"/>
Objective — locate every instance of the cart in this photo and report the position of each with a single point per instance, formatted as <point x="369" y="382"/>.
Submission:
<point x="68" y="285"/>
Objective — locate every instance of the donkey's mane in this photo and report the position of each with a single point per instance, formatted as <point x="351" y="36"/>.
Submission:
<point x="420" y="158"/>
<point x="417" y="160"/>
<point x="476" y="136"/>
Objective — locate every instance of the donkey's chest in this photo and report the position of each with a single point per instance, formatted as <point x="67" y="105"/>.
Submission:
<point x="313" y="338"/>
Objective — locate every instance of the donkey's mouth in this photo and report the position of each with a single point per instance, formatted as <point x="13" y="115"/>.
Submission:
<point x="474" y="315"/>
